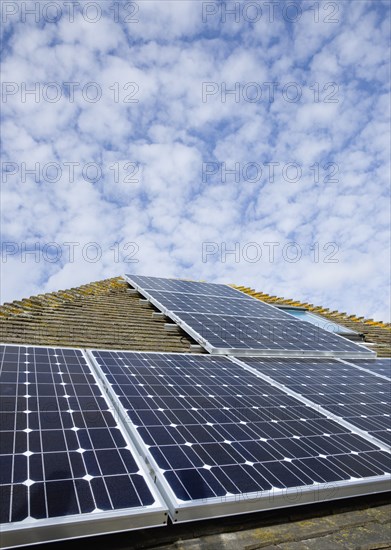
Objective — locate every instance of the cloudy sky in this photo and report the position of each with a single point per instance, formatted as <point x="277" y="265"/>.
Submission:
<point x="241" y="143"/>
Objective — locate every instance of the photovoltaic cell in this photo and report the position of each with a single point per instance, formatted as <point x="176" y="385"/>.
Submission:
<point x="356" y="396"/>
<point x="63" y="454"/>
<point x="216" y="434"/>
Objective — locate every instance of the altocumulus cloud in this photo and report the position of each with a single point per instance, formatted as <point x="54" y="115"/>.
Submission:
<point x="237" y="142"/>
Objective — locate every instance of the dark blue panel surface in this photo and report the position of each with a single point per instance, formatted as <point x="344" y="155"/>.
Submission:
<point x="379" y="366"/>
<point x="215" y="429"/>
<point x="241" y="305"/>
<point x="361" y="398"/>
<point x="62" y="451"/>
<point x="185" y="287"/>
<point x="244" y="333"/>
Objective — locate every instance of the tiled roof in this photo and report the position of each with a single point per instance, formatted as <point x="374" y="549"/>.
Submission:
<point x="104" y="314"/>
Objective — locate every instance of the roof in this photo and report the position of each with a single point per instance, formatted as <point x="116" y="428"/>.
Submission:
<point x="105" y="314"/>
<point x="109" y="314"/>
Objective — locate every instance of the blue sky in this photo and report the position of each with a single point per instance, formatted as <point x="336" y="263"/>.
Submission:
<point x="183" y="139"/>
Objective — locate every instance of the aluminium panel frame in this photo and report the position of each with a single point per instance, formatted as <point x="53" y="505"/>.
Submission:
<point x="32" y="531"/>
<point x="242" y="503"/>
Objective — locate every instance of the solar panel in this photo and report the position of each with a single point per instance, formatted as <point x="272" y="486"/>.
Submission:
<point x="236" y="324"/>
<point x="224" y="334"/>
<point x="378" y="366"/>
<point x="356" y="396"/>
<point x="159" y="284"/>
<point x="220" y="440"/>
<point x="67" y="469"/>
<point x="196" y="303"/>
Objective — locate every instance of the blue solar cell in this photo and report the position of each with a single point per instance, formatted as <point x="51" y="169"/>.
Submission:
<point x="18" y="503"/>
<point x="38" y="501"/>
<point x="53" y="440"/>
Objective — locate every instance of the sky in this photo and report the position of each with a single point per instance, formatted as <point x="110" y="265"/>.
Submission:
<point x="238" y="142"/>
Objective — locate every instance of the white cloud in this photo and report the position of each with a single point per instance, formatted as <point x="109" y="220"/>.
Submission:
<point x="168" y="210"/>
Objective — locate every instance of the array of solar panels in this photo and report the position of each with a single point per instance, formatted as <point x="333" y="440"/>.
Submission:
<point x="220" y="436"/>
<point x="104" y="441"/>
<point x="222" y="439"/>
<point x="226" y="321"/>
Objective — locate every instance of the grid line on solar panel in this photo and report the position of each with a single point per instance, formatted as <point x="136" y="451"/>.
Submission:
<point x="359" y="397"/>
<point x="381" y="367"/>
<point x="180" y="286"/>
<point x="215" y="430"/>
<point x="242" y="335"/>
<point x="59" y="437"/>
